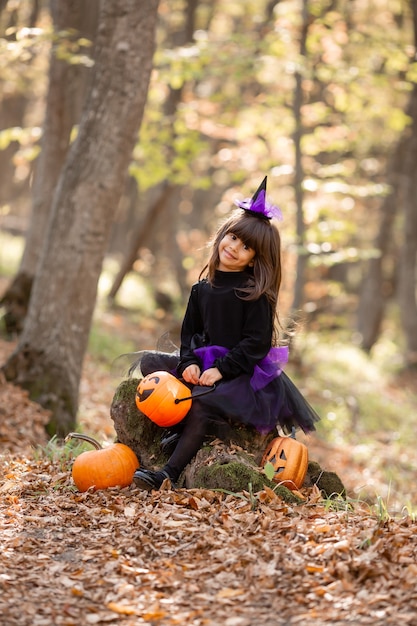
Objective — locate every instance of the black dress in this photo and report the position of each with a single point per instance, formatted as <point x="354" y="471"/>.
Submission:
<point x="221" y="329"/>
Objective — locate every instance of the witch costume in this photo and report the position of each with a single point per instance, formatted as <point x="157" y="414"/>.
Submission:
<point x="234" y="335"/>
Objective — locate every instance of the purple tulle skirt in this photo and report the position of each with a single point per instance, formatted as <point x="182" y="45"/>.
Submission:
<point x="267" y="399"/>
<point x="269" y="368"/>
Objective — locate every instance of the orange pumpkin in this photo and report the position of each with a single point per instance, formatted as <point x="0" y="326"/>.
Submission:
<point x="103" y="467"/>
<point x="289" y="458"/>
<point x="163" y="398"/>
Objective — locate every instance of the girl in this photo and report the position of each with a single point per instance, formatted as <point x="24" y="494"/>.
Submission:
<point x="227" y="340"/>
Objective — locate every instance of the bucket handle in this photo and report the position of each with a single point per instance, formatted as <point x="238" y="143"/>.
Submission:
<point x="203" y="393"/>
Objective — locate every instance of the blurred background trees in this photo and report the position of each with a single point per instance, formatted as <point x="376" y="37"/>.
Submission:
<point x="49" y="356"/>
<point x="320" y="96"/>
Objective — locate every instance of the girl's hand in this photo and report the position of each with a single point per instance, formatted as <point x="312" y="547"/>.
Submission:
<point x="210" y="376"/>
<point x="191" y="374"/>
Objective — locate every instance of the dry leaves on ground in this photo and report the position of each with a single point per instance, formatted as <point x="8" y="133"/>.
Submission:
<point x="195" y="558"/>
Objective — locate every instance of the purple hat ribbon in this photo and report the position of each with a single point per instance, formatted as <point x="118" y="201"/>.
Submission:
<point x="258" y="204"/>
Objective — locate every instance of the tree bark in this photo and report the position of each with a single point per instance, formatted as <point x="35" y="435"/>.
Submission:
<point x="13" y="106"/>
<point x="407" y="273"/>
<point x="140" y="237"/>
<point x="377" y="284"/>
<point x="402" y="180"/>
<point x="66" y="91"/>
<point x="299" y="171"/>
<point x="48" y="358"/>
<point x="407" y="282"/>
<point x="146" y="227"/>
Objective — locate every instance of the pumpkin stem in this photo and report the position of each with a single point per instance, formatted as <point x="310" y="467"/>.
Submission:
<point x="293" y="433"/>
<point x="83" y="438"/>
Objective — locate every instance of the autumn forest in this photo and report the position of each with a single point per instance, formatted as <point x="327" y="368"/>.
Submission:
<point x="128" y="130"/>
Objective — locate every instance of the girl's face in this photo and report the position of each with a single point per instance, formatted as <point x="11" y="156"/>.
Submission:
<point x="234" y="255"/>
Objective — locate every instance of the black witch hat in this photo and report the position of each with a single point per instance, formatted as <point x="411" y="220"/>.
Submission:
<point x="258" y="204"/>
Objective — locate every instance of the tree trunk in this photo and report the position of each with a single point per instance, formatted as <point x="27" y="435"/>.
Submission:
<point x="299" y="172"/>
<point x="13" y="105"/>
<point x="145" y="227"/>
<point x="377" y="285"/>
<point x="66" y="82"/>
<point x="48" y="358"/>
<point x="407" y="282"/>
<point x="407" y="273"/>
<point x="12" y="110"/>
<point x="401" y="179"/>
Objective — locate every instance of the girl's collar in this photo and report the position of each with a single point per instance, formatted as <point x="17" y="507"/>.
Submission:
<point x="245" y="271"/>
<point x="232" y="276"/>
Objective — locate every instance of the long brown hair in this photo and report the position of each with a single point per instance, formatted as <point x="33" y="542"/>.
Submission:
<point x="262" y="235"/>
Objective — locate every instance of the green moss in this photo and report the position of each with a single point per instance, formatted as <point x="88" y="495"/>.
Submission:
<point x="328" y="482"/>
<point x="215" y="467"/>
<point x="236" y="477"/>
<point x="126" y="390"/>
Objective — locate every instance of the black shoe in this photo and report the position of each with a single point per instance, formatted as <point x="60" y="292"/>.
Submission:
<point x="169" y="442"/>
<point x="149" y="480"/>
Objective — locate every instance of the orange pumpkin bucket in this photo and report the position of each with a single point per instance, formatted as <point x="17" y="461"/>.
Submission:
<point x="163" y="398"/>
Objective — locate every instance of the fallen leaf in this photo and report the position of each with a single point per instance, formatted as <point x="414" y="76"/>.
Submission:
<point x="121" y="609"/>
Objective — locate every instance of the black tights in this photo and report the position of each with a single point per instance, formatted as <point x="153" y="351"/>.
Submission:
<point x="196" y="425"/>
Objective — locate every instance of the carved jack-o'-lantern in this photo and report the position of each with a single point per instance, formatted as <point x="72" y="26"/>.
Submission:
<point x="289" y="459"/>
<point x="163" y="398"/>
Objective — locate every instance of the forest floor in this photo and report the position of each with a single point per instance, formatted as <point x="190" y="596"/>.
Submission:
<point x="187" y="557"/>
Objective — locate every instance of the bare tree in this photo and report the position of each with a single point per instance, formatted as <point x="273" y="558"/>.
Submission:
<point x="407" y="278"/>
<point x="49" y="356"/>
<point x="402" y="178"/>
<point x="374" y="290"/>
<point x="67" y="82"/>
<point x="145" y="227"/>
<point x="408" y="259"/>
<point x="13" y="103"/>
<point x="299" y="171"/>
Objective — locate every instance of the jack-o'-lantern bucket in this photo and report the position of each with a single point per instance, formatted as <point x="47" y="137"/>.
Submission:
<point x="163" y="398"/>
<point x="289" y="459"/>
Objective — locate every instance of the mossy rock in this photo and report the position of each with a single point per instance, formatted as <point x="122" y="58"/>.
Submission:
<point x="214" y="467"/>
<point x="329" y="483"/>
<point x="135" y="430"/>
<point x="231" y="465"/>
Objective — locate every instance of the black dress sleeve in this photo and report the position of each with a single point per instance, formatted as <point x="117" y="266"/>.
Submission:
<point x="192" y="324"/>
<point x="255" y="343"/>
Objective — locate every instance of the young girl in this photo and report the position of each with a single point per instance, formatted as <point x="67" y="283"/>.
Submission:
<point x="227" y="340"/>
